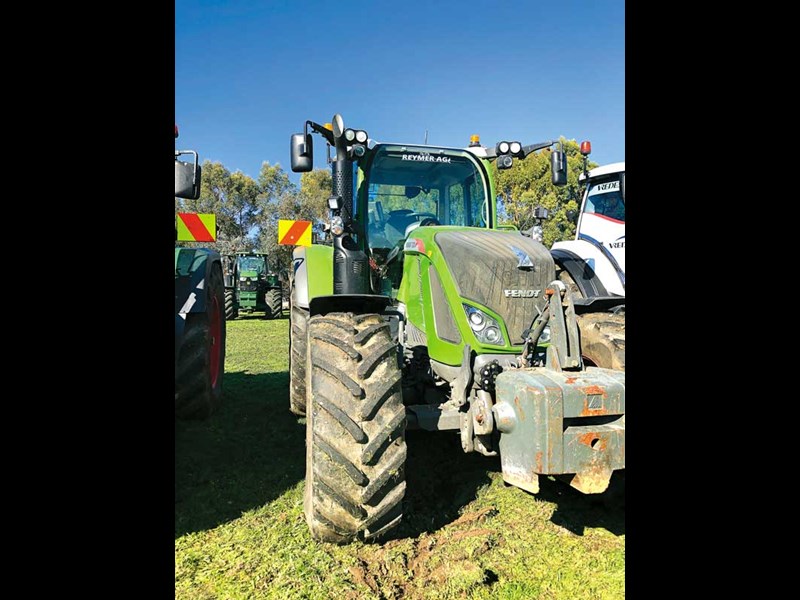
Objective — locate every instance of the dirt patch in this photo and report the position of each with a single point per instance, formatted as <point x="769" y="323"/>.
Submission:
<point x="475" y="516"/>
<point x="392" y="544"/>
<point x="403" y="568"/>
<point x="460" y="535"/>
<point x="361" y="574"/>
<point x="421" y="553"/>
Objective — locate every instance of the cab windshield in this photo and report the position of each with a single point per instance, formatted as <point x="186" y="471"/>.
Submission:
<point x="410" y="187"/>
<point x="604" y="198"/>
<point x="251" y="264"/>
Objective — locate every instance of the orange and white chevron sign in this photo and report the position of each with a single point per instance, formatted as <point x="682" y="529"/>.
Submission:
<point x="294" y="233"/>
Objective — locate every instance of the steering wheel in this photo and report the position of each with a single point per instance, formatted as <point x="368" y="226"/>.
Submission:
<point x="429" y="218"/>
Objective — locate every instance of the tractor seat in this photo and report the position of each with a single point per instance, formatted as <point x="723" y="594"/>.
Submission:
<point x="396" y="224"/>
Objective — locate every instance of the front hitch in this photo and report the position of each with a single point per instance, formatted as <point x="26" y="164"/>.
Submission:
<point x="563" y="418"/>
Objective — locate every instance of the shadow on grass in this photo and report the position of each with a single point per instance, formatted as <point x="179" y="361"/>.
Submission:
<point x="576" y="511"/>
<point x="253" y="449"/>
<point x="261" y="316"/>
<point x="243" y="456"/>
<point x="441" y="480"/>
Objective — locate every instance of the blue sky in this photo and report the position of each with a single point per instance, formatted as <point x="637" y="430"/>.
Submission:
<point x="249" y="73"/>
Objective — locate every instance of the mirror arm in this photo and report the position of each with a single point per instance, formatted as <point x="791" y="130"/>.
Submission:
<point x="326" y="133"/>
<point x="534" y="147"/>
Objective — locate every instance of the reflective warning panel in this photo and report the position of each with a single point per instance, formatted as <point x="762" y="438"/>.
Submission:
<point x="197" y="227"/>
<point x="294" y="233"/>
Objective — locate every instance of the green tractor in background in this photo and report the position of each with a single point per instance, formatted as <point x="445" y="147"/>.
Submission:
<point x="199" y="318"/>
<point x="423" y="313"/>
<point x="251" y="286"/>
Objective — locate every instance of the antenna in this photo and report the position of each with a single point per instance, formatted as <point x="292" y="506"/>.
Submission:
<point x="426" y="137"/>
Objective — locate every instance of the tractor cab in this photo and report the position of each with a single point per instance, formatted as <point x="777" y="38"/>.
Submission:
<point x="410" y="187"/>
<point x="602" y="215"/>
<point x="406" y="187"/>
<point x="252" y="266"/>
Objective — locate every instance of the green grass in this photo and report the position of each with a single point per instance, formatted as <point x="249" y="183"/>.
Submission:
<point x="240" y="532"/>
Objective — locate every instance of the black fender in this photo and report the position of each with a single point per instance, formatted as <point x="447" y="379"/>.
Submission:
<point x="584" y="276"/>
<point x="192" y="269"/>
<point x="607" y="254"/>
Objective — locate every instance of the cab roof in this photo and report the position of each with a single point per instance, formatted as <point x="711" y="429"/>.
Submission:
<point x="617" y="167"/>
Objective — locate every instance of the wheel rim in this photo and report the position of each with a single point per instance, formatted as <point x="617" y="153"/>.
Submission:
<point x="215" y="326"/>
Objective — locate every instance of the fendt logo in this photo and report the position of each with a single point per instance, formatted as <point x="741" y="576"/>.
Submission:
<point x="522" y="293"/>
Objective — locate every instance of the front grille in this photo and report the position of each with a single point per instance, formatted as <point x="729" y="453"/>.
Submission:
<point x="484" y="265"/>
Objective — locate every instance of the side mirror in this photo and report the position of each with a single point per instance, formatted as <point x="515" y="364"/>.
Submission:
<point x="558" y="167"/>
<point x="302" y="151"/>
<point x="187" y="179"/>
<point x="622" y="186"/>
<point x="572" y="216"/>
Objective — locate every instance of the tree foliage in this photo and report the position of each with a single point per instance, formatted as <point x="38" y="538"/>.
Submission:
<point x="527" y="184"/>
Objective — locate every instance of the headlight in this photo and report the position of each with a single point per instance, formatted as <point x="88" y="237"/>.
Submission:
<point x="485" y="328"/>
<point x="537" y="233"/>
<point x="337" y="225"/>
<point x="515" y="147"/>
<point x="492" y="335"/>
<point x="476" y="320"/>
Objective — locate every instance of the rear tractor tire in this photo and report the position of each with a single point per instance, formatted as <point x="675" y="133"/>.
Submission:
<point x="603" y="339"/>
<point x="231" y="312"/>
<point x="274" y="304"/>
<point x="355" y="429"/>
<point x="298" y="340"/>
<point x="201" y="361"/>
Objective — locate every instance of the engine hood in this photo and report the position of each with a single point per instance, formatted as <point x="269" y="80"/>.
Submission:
<point x="503" y="271"/>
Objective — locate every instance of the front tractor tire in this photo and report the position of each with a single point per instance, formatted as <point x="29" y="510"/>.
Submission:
<point x="565" y="278"/>
<point x="231" y="311"/>
<point x="298" y="340"/>
<point x="603" y="339"/>
<point x="274" y="302"/>
<point x="355" y="429"/>
<point x="201" y="361"/>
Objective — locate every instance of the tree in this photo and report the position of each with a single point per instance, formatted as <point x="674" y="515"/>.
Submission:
<point x="527" y="184"/>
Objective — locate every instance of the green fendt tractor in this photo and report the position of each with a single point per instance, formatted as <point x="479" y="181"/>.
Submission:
<point x="199" y="318"/>
<point x="250" y="286"/>
<point x="423" y="314"/>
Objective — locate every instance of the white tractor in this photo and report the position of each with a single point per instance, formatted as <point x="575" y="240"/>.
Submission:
<point x="593" y="264"/>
